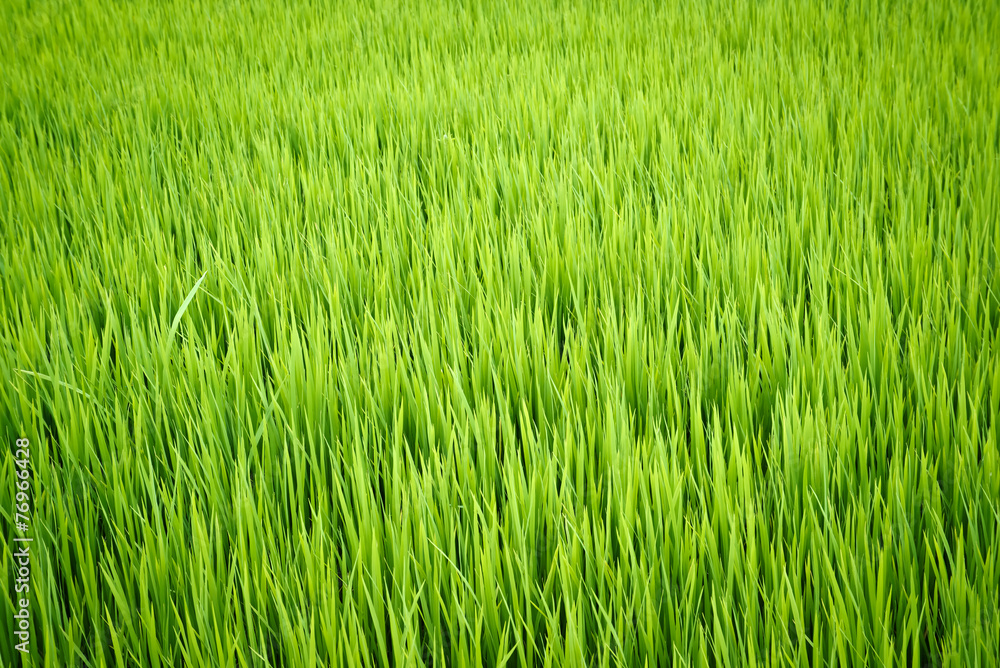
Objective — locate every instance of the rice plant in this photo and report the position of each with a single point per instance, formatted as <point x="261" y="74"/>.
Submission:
<point x="522" y="333"/>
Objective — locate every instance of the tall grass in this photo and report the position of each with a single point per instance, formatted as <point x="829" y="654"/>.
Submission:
<point x="503" y="333"/>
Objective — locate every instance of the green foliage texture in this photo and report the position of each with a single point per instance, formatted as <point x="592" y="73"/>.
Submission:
<point x="502" y="333"/>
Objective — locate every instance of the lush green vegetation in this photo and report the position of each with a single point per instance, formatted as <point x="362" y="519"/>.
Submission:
<point x="521" y="332"/>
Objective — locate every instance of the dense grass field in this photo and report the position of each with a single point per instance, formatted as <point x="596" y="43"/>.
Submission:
<point x="516" y="333"/>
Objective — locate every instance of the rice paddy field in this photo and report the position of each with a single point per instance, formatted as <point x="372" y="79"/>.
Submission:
<point x="514" y="333"/>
